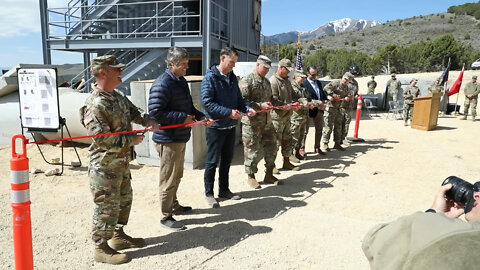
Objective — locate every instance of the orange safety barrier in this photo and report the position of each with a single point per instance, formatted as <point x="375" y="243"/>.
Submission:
<point x="357" y="120"/>
<point x="20" y="201"/>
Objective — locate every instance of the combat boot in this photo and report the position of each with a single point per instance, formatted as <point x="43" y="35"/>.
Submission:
<point x="294" y="159"/>
<point x="325" y="148"/>
<point x="338" y="147"/>
<point x="464" y="117"/>
<point x="289" y="166"/>
<point x="406" y="123"/>
<point x="252" y="182"/>
<point x="105" y="254"/>
<point x="270" y="179"/>
<point x="121" y="240"/>
<point x="473" y="118"/>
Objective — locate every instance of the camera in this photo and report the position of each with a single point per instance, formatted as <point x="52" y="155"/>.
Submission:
<point x="461" y="191"/>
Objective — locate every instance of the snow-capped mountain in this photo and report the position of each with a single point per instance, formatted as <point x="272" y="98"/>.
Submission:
<point x="333" y="27"/>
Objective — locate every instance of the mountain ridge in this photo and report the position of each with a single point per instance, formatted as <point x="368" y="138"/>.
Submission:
<point x="331" y="27"/>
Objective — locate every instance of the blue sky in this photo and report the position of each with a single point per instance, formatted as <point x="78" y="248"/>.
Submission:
<point x="20" y="40"/>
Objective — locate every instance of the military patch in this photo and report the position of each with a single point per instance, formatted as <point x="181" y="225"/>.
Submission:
<point x="87" y="120"/>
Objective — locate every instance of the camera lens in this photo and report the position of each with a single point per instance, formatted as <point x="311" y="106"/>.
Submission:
<point x="461" y="192"/>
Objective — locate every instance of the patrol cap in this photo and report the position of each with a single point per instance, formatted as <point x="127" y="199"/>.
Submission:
<point x="413" y="80"/>
<point x="286" y="63"/>
<point x="265" y="61"/>
<point x="474" y="77"/>
<point x="104" y="61"/>
<point x="348" y="76"/>
<point x="299" y="73"/>
<point x="439" y="79"/>
<point x="393" y="74"/>
<point x="373" y="77"/>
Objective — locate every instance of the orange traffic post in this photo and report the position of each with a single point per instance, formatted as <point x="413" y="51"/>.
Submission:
<point x="357" y="121"/>
<point x="20" y="201"/>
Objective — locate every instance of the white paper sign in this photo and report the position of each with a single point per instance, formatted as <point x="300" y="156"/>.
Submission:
<point x="38" y="94"/>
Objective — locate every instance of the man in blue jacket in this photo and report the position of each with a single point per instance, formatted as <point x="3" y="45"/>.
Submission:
<point x="170" y="103"/>
<point x="221" y="99"/>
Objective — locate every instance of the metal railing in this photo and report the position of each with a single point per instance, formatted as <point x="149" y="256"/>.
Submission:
<point x="117" y="20"/>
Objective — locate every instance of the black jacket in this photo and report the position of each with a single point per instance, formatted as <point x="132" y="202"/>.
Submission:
<point x="313" y="112"/>
<point x="169" y="103"/>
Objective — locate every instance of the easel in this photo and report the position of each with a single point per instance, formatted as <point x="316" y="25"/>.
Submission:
<point x="63" y="123"/>
<point x="39" y="105"/>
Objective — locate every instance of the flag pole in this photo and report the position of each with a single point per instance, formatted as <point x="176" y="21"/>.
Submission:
<point x="458" y="94"/>
<point x="445" y="92"/>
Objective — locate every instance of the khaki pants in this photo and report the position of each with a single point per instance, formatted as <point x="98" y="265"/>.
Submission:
<point x="172" y="156"/>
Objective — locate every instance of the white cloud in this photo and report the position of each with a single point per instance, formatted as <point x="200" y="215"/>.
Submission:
<point x="22" y="17"/>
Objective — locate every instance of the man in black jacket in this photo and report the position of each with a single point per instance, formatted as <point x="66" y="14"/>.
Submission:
<point x="170" y="103"/>
<point x="315" y="88"/>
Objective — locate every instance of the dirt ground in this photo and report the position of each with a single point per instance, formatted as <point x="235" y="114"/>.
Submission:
<point x="317" y="220"/>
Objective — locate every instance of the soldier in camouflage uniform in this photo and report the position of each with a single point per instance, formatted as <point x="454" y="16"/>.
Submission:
<point x="336" y="89"/>
<point x="108" y="110"/>
<point x="472" y="89"/>
<point x="410" y="92"/>
<point x="299" y="119"/>
<point x="371" y="85"/>
<point x="348" y="106"/>
<point x="282" y="94"/>
<point x="394" y="86"/>
<point x="435" y="87"/>
<point x="257" y="131"/>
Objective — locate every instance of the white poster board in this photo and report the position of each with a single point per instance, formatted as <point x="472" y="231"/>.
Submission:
<point x="38" y="95"/>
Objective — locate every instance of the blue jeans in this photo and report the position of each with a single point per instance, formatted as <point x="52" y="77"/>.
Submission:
<point x="220" y="146"/>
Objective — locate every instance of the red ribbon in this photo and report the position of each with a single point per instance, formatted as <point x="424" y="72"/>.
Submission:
<point x="162" y="127"/>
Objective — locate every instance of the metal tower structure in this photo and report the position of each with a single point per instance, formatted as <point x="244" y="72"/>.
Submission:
<point x="139" y="33"/>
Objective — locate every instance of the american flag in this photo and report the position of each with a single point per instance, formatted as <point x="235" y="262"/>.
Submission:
<point x="298" y="63"/>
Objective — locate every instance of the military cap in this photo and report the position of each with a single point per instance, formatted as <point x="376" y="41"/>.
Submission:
<point x="104" y="61"/>
<point x="299" y="73"/>
<point x="286" y="63"/>
<point x="265" y="61"/>
<point x="393" y="74"/>
<point x="373" y="77"/>
<point x="474" y="77"/>
<point x="413" y="80"/>
<point x="348" y="76"/>
<point x="439" y="79"/>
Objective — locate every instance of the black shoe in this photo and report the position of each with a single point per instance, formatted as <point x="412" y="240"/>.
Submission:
<point x="228" y="195"/>
<point x="172" y="224"/>
<point x="181" y="210"/>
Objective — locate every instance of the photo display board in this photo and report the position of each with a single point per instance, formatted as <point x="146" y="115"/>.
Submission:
<point x="38" y="93"/>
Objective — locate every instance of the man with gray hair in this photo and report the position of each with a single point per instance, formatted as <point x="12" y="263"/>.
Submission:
<point x="170" y="103"/>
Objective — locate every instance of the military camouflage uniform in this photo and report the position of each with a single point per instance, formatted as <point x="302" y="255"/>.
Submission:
<point x="333" y="117"/>
<point x="393" y="88"/>
<point x="348" y="107"/>
<point x="299" y="119"/>
<point x="471" y="88"/>
<point x="282" y="94"/>
<point x="372" y="84"/>
<point x="435" y="88"/>
<point x="409" y="94"/>
<point x="257" y="131"/>
<point x="109" y="172"/>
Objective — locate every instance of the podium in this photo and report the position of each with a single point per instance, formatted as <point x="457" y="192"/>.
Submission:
<point x="425" y="111"/>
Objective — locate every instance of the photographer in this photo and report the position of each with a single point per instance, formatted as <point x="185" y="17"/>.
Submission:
<point x="435" y="239"/>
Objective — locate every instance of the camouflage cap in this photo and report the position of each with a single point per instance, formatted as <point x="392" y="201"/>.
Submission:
<point x="439" y="79"/>
<point x="299" y="73"/>
<point x="393" y="74"/>
<point x="104" y="61"/>
<point x="265" y="61"/>
<point x="348" y="76"/>
<point x="413" y="80"/>
<point x="474" y="77"/>
<point x="286" y="63"/>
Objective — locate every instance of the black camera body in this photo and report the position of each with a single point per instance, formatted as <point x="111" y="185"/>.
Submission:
<point x="461" y="191"/>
